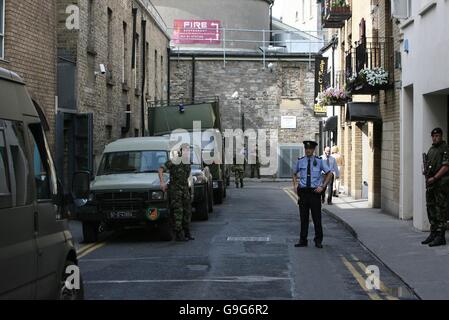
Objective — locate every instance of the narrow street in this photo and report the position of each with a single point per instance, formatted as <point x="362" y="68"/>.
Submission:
<point x="245" y="251"/>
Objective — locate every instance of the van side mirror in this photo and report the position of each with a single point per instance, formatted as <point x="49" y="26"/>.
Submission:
<point x="81" y="187"/>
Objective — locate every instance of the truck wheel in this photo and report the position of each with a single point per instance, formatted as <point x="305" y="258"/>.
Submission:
<point x="218" y="196"/>
<point x="69" y="293"/>
<point x="202" y="210"/>
<point x="90" y="232"/>
<point x="165" y="231"/>
<point x="210" y="199"/>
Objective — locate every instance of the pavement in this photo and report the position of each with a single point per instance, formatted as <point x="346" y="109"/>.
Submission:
<point x="398" y="245"/>
<point x="244" y="252"/>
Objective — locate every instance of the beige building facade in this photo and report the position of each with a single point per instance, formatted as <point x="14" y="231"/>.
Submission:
<point x="368" y="128"/>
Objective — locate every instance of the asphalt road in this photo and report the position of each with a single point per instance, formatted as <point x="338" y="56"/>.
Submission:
<point x="245" y="251"/>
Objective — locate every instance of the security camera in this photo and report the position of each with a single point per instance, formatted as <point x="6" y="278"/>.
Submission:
<point x="102" y="69"/>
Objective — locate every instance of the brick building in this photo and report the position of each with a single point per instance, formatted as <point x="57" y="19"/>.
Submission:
<point x="108" y="69"/>
<point x="28" y="47"/>
<point x="275" y="89"/>
<point x="368" y="39"/>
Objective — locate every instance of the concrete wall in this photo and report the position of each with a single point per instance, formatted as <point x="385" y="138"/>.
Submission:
<point x="428" y="102"/>
<point x="291" y="12"/>
<point x="233" y="14"/>
<point x="265" y="96"/>
<point x="30" y="50"/>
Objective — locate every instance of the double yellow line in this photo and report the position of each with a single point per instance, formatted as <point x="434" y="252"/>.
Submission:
<point x="87" y="249"/>
<point x="372" y="294"/>
<point x="291" y="194"/>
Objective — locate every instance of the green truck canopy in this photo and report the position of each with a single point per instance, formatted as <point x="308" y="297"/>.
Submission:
<point x="163" y="120"/>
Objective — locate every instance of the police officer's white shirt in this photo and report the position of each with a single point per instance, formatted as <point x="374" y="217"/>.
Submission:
<point x="318" y="167"/>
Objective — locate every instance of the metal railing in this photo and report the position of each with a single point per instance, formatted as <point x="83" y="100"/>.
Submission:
<point x="370" y="54"/>
<point x="263" y="42"/>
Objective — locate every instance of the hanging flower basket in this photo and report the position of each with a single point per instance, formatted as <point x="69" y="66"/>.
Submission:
<point x="368" y="81"/>
<point x="332" y="97"/>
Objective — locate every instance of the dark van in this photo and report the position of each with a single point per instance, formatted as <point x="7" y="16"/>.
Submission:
<point x="37" y="253"/>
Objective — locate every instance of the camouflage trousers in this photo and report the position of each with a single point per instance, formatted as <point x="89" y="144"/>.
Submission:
<point x="239" y="174"/>
<point x="181" y="207"/>
<point x="437" y="206"/>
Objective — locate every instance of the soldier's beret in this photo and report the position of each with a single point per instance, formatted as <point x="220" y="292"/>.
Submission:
<point x="437" y="131"/>
<point x="310" y="144"/>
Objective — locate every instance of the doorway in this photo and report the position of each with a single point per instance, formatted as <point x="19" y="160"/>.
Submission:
<point x="288" y="157"/>
<point x="365" y="161"/>
<point x="74" y="145"/>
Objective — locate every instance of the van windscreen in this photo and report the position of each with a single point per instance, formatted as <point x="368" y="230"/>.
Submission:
<point x="132" y="162"/>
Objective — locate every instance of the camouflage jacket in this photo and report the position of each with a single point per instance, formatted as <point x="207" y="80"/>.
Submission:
<point x="438" y="156"/>
<point x="179" y="174"/>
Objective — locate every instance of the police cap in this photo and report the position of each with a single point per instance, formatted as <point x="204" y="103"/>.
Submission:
<point x="437" y="131"/>
<point x="310" y="144"/>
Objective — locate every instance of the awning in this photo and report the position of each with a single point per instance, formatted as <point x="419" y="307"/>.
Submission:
<point x="363" y="111"/>
<point x="331" y="124"/>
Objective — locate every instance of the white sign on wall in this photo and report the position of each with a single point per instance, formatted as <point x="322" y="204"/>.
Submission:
<point x="288" y="122"/>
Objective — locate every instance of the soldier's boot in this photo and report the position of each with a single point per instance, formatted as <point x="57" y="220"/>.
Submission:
<point x="440" y="240"/>
<point x="430" y="238"/>
<point x="180" y="237"/>
<point x="188" y="235"/>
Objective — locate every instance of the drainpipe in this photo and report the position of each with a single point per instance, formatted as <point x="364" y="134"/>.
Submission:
<point x="271" y="23"/>
<point x="168" y="75"/>
<point x="193" y="79"/>
<point x="133" y="58"/>
<point x="144" y="68"/>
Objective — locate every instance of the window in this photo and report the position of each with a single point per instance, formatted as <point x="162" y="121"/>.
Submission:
<point x="124" y="52"/>
<point x="2" y="29"/>
<point x="44" y="172"/>
<point x="132" y="162"/>
<point x="90" y="21"/>
<point x="15" y="136"/>
<point x="303" y="10"/>
<point x="110" y="40"/>
<point x="5" y="183"/>
<point x="311" y="15"/>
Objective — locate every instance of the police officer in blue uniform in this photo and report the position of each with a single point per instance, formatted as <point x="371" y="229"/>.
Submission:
<point x="309" y="182"/>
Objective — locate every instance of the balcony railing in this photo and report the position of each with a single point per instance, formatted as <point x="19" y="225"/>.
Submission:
<point x="373" y="54"/>
<point x="335" y="13"/>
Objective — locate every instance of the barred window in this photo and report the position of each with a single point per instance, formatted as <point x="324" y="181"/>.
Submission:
<point x="2" y="29"/>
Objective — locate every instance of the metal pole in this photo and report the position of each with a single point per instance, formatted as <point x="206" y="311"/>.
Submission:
<point x="224" y="47"/>
<point x="263" y="49"/>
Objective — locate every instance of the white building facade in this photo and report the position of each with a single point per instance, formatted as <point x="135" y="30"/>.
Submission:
<point x="425" y="95"/>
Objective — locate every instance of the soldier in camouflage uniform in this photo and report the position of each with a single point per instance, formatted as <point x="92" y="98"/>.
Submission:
<point x="239" y="172"/>
<point x="180" y="201"/>
<point x="437" y="181"/>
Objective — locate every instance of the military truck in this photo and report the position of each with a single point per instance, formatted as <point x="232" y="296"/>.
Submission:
<point x="126" y="190"/>
<point x="164" y="118"/>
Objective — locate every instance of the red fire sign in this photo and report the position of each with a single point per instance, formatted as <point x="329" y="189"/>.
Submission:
<point x="197" y="31"/>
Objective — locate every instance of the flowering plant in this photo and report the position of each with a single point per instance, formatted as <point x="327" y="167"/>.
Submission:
<point x="374" y="77"/>
<point x="368" y="77"/>
<point x="332" y="96"/>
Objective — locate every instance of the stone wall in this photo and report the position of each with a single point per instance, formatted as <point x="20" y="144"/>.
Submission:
<point x="265" y="95"/>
